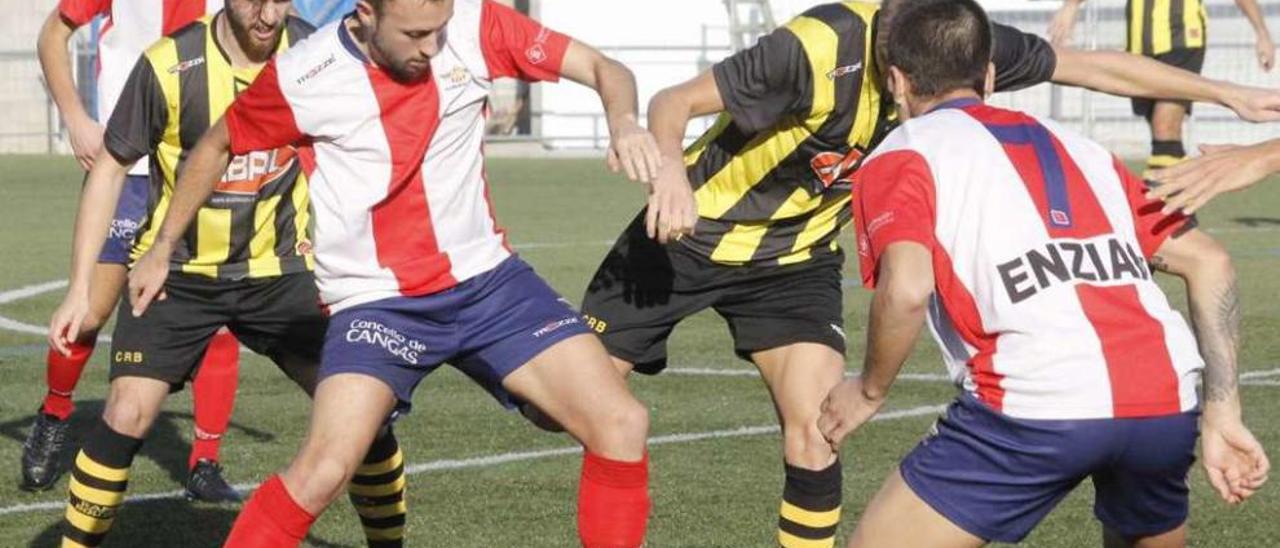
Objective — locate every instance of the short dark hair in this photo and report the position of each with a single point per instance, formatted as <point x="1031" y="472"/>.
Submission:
<point x="940" y="45"/>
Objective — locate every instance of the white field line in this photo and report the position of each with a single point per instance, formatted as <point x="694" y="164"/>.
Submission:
<point x="1248" y="378"/>
<point x="502" y="458"/>
<point x="741" y="372"/>
<point x="27" y="292"/>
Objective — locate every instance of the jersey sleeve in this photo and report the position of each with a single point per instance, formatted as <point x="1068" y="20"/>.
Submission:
<point x="516" y="46"/>
<point x="893" y="202"/>
<point x="141" y="115"/>
<point x="261" y="117"/>
<point x="80" y="12"/>
<point x="763" y="84"/>
<point x="1152" y="225"/>
<point x="1021" y="59"/>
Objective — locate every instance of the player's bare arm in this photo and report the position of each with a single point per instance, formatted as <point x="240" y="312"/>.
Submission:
<point x="1125" y="74"/>
<point x="1236" y="463"/>
<point x="898" y="311"/>
<point x="55" y="63"/>
<point x="631" y="148"/>
<point x="672" y="209"/>
<point x="1191" y="184"/>
<point x="1064" y="22"/>
<point x="200" y="175"/>
<point x="1263" y="46"/>
<point x="98" y="197"/>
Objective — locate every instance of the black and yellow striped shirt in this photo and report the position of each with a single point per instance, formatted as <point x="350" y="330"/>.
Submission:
<point x="1161" y="26"/>
<point x="255" y="223"/>
<point x="771" y="176"/>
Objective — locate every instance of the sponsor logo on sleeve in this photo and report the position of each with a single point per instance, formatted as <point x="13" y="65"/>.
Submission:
<point x="313" y="71"/>
<point x="537" y="52"/>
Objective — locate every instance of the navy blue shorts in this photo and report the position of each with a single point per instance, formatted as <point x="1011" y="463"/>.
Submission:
<point x="997" y="477"/>
<point x="130" y="212"/>
<point x="487" y="327"/>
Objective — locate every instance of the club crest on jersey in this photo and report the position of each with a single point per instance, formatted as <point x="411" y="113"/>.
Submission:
<point x="832" y="167"/>
<point x="1059" y="218"/>
<point x="183" y="66"/>
<point x="537" y="53"/>
<point x="845" y="70"/>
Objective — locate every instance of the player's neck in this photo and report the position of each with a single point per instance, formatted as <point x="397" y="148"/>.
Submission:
<point x="921" y="106"/>
<point x="236" y="53"/>
<point x="359" y="36"/>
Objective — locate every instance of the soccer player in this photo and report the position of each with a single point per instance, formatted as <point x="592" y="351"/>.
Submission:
<point x="1222" y="168"/>
<point x="409" y="258"/>
<point x="767" y="190"/>
<point x="1173" y="32"/>
<point x="131" y="27"/>
<point x="1028" y="248"/>
<point x="244" y="265"/>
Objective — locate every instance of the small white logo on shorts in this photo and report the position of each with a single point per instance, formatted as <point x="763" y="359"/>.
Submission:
<point x="377" y="334"/>
<point x="547" y="329"/>
<point x="839" y="330"/>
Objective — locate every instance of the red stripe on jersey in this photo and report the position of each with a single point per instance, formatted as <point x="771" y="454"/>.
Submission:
<point x="80" y="12"/>
<point x="516" y="46"/>
<point x="967" y="320"/>
<point x="180" y="13"/>
<point x="1143" y="380"/>
<point x="402" y="231"/>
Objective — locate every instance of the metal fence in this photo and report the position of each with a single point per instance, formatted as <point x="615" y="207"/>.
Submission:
<point x="547" y="121"/>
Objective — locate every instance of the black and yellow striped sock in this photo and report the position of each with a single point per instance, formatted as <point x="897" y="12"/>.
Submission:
<point x="377" y="492"/>
<point x="1165" y="154"/>
<point x="98" y="482"/>
<point x="810" y="507"/>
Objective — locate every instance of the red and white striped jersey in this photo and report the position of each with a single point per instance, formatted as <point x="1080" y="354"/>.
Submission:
<point x="1044" y="305"/>
<point x="130" y="28"/>
<point x="396" y="171"/>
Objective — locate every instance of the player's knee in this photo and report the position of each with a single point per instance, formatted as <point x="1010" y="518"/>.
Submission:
<point x="805" y="447"/>
<point x="127" y="416"/>
<point x="315" y="479"/>
<point x="622" y="429"/>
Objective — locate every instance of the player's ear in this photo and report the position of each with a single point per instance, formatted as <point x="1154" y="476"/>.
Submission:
<point x="989" y="84"/>
<point x="365" y="12"/>
<point x="900" y="87"/>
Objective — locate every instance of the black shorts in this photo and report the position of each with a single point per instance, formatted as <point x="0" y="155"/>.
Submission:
<point x="1185" y="59"/>
<point x="277" y="317"/>
<point x="643" y="289"/>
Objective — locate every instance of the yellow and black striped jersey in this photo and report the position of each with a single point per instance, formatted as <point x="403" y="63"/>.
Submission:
<point x="771" y="176"/>
<point x="255" y="223"/>
<point x="1161" y="26"/>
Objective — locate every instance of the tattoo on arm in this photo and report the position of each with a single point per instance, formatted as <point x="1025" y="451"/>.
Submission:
<point x="1158" y="263"/>
<point x="1217" y="325"/>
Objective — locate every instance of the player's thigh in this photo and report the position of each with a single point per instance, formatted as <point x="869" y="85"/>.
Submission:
<point x="167" y="342"/>
<point x="896" y="517"/>
<point x="105" y="286"/>
<point x="574" y="383"/>
<point x="280" y="318"/>
<point x="523" y="342"/>
<point x="348" y="411"/>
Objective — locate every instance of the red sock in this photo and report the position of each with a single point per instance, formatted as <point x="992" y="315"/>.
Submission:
<point x="271" y="519"/>
<point x="613" y="502"/>
<point x="62" y="373"/>
<point x="214" y="391"/>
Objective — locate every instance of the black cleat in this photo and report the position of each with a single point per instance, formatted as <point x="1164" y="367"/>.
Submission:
<point x="205" y="484"/>
<point x="42" y="452"/>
